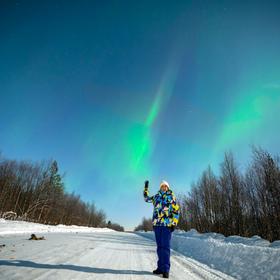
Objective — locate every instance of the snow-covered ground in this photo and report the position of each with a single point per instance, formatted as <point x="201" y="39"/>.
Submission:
<point x="18" y="227"/>
<point x="88" y="253"/>
<point x="242" y="258"/>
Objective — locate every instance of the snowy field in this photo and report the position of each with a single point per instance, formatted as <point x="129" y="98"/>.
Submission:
<point x="88" y="253"/>
<point x="18" y="227"/>
<point x="242" y="258"/>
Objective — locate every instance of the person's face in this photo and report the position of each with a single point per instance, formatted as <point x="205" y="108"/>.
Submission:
<point x="163" y="188"/>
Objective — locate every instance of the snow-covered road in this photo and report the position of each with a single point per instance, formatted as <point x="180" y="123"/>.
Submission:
<point x="106" y="255"/>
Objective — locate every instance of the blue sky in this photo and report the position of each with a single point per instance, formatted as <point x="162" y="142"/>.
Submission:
<point x="124" y="91"/>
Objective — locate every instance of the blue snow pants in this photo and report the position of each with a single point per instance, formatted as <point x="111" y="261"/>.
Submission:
<point x="163" y="238"/>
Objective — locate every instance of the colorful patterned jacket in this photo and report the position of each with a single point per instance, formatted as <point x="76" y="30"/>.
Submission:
<point x="166" y="209"/>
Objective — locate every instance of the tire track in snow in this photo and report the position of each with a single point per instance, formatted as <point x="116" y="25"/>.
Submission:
<point x="106" y="256"/>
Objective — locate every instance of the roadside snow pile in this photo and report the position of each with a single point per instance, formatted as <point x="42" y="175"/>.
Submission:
<point x="20" y="227"/>
<point x="242" y="258"/>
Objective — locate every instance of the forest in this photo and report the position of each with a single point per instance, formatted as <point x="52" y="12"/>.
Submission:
<point x="234" y="202"/>
<point x="35" y="192"/>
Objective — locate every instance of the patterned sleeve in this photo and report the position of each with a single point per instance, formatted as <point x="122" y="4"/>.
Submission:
<point x="175" y="211"/>
<point x="148" y="198"/>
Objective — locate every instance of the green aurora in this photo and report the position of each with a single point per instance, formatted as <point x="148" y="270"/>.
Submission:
<point x="119" y="93"/>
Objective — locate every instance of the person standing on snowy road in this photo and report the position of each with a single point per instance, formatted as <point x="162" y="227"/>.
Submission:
<point x="165" y="219"/>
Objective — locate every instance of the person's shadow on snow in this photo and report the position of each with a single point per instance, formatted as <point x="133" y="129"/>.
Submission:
<point x="88" y="269"/>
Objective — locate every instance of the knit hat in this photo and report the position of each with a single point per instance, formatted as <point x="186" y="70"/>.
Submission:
<point x="164" y="183"/>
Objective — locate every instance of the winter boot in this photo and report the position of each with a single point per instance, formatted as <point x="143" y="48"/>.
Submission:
<point x="165" y="275"/>
<point x="157" y="271"/>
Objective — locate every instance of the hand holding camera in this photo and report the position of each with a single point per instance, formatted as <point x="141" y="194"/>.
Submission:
<point x="146" y="184"/>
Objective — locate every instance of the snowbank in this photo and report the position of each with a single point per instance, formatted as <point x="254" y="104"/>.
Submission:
<point x="20" y="227"/>
<point x="242" y="258"/>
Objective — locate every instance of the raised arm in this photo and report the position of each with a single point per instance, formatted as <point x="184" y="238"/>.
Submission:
<point x="147" y="198"/>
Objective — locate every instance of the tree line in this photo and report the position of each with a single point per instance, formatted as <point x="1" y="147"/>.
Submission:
<point x="36" y="192"/>
<point x="235" y="203"/>
<point x="145" y="225"/>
